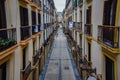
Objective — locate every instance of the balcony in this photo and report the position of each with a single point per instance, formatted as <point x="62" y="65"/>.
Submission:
<point x="26" y="72"/>
<point x="78" y="25"/>
<point x="109" y="35"/>
<point x="35" y="29"/>
<point x="35" y="57"/>
<point x="7" y="38"/>
<point x="88" y="29"/>
<point x="25" y="32"/>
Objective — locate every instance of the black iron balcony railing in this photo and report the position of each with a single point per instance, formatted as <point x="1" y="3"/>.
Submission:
<point x="79" y="49"/>
<point x="26" y="71"/>
<point x="109" y="35"/>
<point x="35" y="29"/>
<point x="25" y="32"/>
<point x="7" y="38"/>
<point x="88" y="29"/>
<point x="78" y="25"/>
<point x="36" y="56"/>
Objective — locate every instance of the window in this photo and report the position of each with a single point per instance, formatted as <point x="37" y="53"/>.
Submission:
<point x="23" y="16"/>
<point x="3" y="34"/>
<point x="2" y="14"/>
<point x="109" y="12"/>
<point x="24" y="58"/>
<point x="33" y="18"/>
<point x="88" y="15"/>
<point x="39" y="18"/>
<point x="3" y="71"/>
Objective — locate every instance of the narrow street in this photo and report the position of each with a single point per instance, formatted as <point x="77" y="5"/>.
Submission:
<point x="60" y="64"/>
<point x="59" y="39"/>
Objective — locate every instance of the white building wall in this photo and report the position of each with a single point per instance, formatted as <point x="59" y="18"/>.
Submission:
<point x="30" y="51"/>
<point x="14" y="20"/>
<point x="96" y="51"/>
<point x="36" y="16"/>
<point x="83" y="22"/>
<point x="17" y="63"/>
<point x="78" y="14"/>
<point x="15" y="16"/>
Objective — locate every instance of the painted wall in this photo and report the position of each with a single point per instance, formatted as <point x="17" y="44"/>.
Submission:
<point x="97" y="13"/>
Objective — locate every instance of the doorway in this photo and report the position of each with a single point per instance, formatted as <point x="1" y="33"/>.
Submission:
<point x="109" y="69"/>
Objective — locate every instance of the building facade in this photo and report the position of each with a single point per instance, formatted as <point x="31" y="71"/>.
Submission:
<point x="23" y="35"/>
<point x="60" y="18"/>
<point x="95" y="34"/>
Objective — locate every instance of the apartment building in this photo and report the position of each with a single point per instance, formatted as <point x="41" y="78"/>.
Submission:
<point x="22" y="39"/>
<point x="95" y="34"/>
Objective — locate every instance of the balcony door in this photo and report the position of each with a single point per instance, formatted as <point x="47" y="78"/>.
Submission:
<point x="88" y="15"/>
<point x="3" y="34"/>
<point x="23" y="16"/>
<point x="109" y="12"/>
<point x="109" y="19"/>
<point x="2" y="14"/>
<point x="109" y="69"/>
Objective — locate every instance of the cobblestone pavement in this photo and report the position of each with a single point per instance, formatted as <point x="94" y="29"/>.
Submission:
<point x="60" y="65"/>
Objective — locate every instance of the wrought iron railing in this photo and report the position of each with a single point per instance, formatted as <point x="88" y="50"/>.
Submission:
<point x="35" y="57"/>
<point x="78" y="25"/>
<point x="109" y="35"/>
<point x="25" y="32"/>
<point x="8" y="38"/>
<point x="26" y="71"/>
<point x="35" y="29"/>
<point x="88" y="29"/>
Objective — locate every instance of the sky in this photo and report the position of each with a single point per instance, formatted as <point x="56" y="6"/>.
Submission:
<point x="60" y="5"/>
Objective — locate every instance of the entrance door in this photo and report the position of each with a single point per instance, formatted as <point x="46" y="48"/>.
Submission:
<point x="109" y="68"/>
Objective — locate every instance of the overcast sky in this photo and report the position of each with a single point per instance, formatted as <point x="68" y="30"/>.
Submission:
<point x="60" y="5"/>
